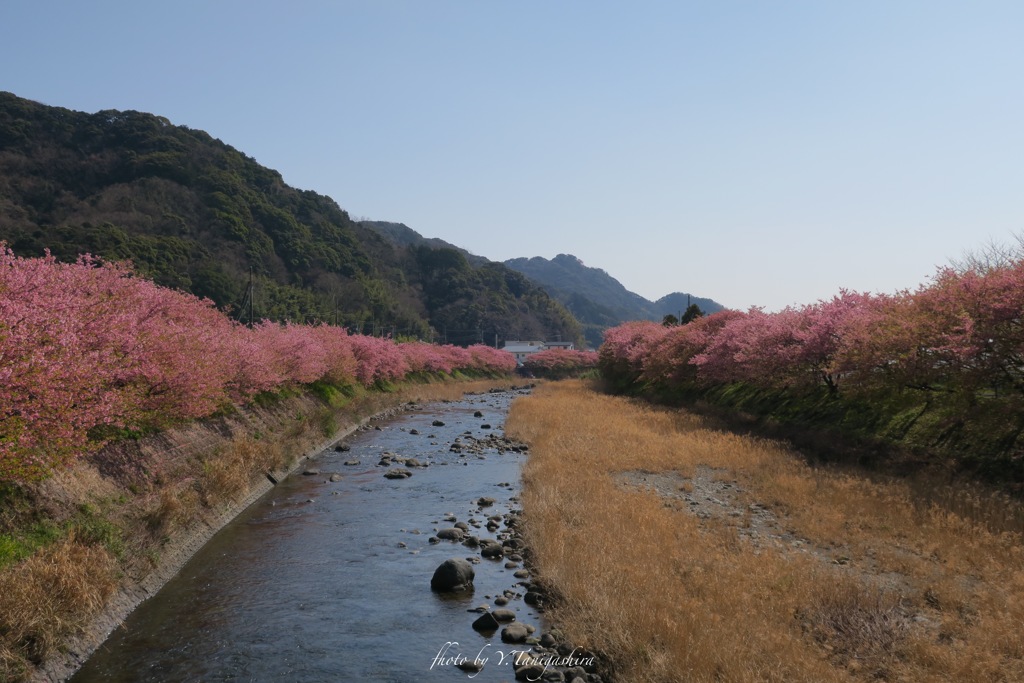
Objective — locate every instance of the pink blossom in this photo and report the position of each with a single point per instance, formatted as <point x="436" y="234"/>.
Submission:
<point x="88" y="345"/>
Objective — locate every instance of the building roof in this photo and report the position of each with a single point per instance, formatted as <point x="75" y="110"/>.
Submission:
<point x="522" y="347"/>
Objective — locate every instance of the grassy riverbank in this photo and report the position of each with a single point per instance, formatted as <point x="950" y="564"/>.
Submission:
<point x="80" y="549"/>
<point x="682" y="551"/>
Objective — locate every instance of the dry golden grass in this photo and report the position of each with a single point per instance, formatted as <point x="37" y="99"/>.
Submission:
<point x="47" y="598"/>
<point x="853" y="580"/>
<point x="228" y="474"/>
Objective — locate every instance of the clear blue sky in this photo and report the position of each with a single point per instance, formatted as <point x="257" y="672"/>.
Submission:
<point x="759" y="153"/>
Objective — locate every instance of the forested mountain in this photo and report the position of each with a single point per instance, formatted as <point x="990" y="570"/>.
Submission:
<point x="596" y="298"/>
<point x="404" y="236"/>
<point x="196" y="214"/>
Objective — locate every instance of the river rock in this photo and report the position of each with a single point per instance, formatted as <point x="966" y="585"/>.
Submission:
<point x="516" y="632"/>
<point x="471" y="665"/>
<point x="437" y="423"/>
<point x="351" y="463"/>
<point x="575" y="673"/>
<point x="455" y="574"/>
<point x="493" y="551"/>
<point x="398" y="473"/>
<point x="534" y="672"/>
<point x="478" y="414"/>
<point x="503" y="615"/>
<point x="342" y="447"/>
<point x="310" y="472"/>
<point x="335" y="477"/>
<point x="486" y="622"/>
<point x="451" y="534"/>
<point x="485" y="501"/>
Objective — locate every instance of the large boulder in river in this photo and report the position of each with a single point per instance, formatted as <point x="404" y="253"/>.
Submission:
<point x="455" y="574"/>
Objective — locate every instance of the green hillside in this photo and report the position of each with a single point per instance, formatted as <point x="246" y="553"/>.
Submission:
<point x="196" y="214"/>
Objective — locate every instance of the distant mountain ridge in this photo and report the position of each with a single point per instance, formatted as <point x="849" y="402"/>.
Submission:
<point x="596" y="298"/>
<point x="568" y="280"/>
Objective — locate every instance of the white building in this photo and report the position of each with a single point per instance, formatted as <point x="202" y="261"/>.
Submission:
<point x="522" y="349"/>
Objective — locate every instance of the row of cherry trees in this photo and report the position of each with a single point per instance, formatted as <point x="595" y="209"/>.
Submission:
<point x="961" y="335"/>
<point x="558" y="363"/>
<point x="88" y="347"/>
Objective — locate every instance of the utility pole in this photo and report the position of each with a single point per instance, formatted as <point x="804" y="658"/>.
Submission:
<point x="252" y="295"/>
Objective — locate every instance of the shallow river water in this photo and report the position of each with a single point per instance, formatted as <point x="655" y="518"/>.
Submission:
<point x="311" y="583"/>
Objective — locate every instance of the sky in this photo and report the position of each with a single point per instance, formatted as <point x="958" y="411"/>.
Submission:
<point x="761" y="153"/>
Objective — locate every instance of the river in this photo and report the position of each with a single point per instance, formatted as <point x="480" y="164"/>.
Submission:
<point x="330" y="581"/>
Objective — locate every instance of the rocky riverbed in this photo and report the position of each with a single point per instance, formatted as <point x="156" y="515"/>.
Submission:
<point x="329" y="576"/>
